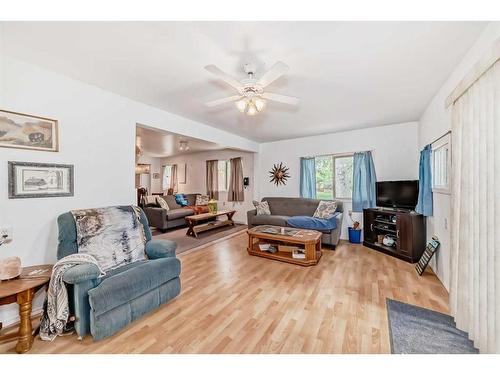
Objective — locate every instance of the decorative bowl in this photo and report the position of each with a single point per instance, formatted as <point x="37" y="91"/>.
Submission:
<point x="388" y="241"/>
<point x="10" y="268"/>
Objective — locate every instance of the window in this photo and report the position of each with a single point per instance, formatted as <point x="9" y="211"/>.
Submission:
<point x="223" y="174"/>
<point x="441" y="158"/>
<point x="334" y="176"/>
<point x="167" y="172"/>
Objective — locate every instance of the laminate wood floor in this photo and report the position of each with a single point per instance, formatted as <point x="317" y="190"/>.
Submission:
<point x="235" y="303"/>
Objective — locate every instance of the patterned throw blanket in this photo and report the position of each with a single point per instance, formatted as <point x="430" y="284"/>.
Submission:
<point x="55" y="310"/>
<point x="108" y="237"/>
<point x="112" y="235"/>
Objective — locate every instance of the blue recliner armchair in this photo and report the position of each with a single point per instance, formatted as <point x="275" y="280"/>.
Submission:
<point x="102" y="306"/>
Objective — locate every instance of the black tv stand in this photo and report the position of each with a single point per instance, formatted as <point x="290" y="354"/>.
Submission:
<point x="407" y="228"/>
<point x="395" y="209"/>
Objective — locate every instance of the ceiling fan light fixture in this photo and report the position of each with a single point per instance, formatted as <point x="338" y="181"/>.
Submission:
<point x="252" y="110"/>
<point x="252" y="93"/>
<point x="259" y="104"/>
<point x="241" y="105"/>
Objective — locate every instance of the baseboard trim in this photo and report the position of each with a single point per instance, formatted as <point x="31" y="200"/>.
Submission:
<point x="13" y="322"/>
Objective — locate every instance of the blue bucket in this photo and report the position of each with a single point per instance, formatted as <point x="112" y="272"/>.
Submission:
<point x="354" y="235"/>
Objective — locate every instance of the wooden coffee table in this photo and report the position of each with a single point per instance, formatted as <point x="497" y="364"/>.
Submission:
<point x="309" y="240"/>
<point x="201" y="222"/>
<point x="21" y="290"/>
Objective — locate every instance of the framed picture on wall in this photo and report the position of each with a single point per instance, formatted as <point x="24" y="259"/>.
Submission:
<point x="18" y="130"/>
<point x="181" y="170"/>
<point x="40" y="180"/>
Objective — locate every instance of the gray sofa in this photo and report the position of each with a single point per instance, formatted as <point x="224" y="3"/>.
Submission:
<point x="104" y="305"/>
<point x="174" y="217"/>
<point x="282" y="208"/>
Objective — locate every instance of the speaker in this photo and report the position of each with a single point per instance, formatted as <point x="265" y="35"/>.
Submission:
<point x="246" y="181"/>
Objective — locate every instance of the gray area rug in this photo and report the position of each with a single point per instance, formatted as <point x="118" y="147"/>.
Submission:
<point x="415" y="330"/>
<point x="185" y="243"/>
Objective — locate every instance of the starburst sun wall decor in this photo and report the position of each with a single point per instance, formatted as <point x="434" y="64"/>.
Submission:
<point x="279" y="174"/>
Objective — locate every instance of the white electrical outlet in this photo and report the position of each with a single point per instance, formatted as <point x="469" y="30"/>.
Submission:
<point x="6" y="231"/>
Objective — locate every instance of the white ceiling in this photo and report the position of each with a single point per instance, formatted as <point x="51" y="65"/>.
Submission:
<point x="159" y="143"/>
<point x="348" y="75"/>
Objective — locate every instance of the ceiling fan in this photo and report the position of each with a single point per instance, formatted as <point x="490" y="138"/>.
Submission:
<point x="251" y="98"/>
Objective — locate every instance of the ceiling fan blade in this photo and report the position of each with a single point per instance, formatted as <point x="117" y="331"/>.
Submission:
<point x="281" y="98"/>
<point x="276" y="71"/>
<point x="224" y="76"/>
<point x="222" y="101"/>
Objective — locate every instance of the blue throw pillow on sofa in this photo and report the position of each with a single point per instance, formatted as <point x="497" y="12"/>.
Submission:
<point x="309" y="222"/>
<point x="181" y="200"/>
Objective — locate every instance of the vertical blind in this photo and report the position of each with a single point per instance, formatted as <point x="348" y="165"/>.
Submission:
<point x="475" y="233"/>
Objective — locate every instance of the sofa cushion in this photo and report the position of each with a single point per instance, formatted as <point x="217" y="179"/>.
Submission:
<point x="270" y="220"/>
<point x="191" y="199"/>
<point x="172" y="204"/>
<point x="178" y="213"/>
<point x="122" y="287"/>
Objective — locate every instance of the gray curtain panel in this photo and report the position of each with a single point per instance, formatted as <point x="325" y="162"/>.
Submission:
<point x="235" y="192"/>
<point x="212" y="179"/>
<point x="173" y="179"/>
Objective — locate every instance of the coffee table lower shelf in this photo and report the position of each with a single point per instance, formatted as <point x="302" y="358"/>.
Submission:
<point x="284" y="256"/>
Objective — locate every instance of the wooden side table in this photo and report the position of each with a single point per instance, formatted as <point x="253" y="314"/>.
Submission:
<point x="21" y="290"/>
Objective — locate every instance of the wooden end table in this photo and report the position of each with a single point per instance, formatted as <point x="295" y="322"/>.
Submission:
<point x="194" y="226"/>
<point x="22" y="290"/>
<point x="309" y="240"/>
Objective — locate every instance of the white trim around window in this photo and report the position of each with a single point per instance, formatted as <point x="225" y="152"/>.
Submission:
<point x="441" y="165"/>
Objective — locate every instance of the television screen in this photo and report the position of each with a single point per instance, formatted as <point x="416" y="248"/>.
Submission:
<point x="397" y="194"/>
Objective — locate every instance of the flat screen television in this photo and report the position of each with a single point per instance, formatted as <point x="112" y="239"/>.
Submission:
<point x="397" y="194"/>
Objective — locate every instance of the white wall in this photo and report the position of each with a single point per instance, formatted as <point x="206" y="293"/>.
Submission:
<point x="97" y="135"/>
<point x="394" y="150"/>
<point x="435" y="121"/>
<point x="196" y="177"/>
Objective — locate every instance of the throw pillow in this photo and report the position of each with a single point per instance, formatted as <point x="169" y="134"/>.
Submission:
<point x="325" y="210"/>
<point x="181" y="200"/>
<point x="149" y="200"/>
<point x="163" y="203"/>
<point x="262" y="208"/>
<point x="201" y="200"/>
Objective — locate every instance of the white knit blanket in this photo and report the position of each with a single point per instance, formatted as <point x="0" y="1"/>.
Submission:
<point x="56" y="308"/>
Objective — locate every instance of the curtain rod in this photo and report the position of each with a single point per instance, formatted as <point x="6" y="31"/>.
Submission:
<point x="441" y="137"/>
<point x="338" y="155"/>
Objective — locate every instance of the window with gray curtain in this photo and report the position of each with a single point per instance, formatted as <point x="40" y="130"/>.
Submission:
<point x="212" y="179"/>
<point x="235" y="192"/>
<point x="173" y="178"/>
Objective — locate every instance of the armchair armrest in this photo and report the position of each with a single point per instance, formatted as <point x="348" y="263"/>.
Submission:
<point x="81" y="273"/>
<point x="160" y="249"/>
